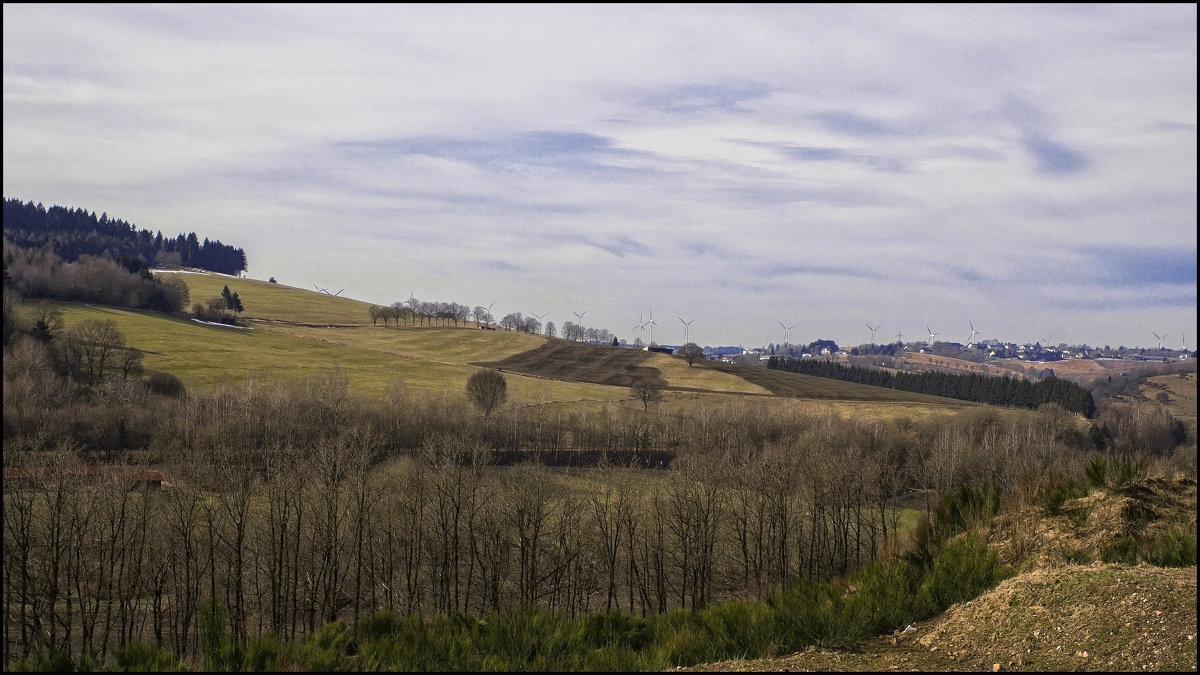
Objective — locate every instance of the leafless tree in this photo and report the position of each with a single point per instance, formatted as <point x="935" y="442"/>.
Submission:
<point x="646" y="391"/>
<point x="91" y="348"/>
<point x="488" y="390"/>
<point x="691" y="352"/>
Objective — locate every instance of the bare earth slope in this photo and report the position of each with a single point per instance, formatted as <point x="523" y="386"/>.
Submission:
<point x="1055" y="615"/>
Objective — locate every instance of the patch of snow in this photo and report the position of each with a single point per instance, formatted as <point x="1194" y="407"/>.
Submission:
<point x="218" y="323"/>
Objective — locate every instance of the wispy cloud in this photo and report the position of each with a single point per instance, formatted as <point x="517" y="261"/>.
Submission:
<point x="891" y="164"/>
<point x="1052" y="157"/>
<point x="694" y="98"/>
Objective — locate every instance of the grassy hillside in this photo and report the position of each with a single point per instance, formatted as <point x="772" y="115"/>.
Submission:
<point x="289" y="333"/>
<point x="204" y="356"/>
<point x="278" y="302"/>
<point x="1179" y="391"/>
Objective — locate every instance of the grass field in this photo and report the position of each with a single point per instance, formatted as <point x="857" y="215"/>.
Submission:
<point x="1181" y="394"/>
<point x="291" y="334"/>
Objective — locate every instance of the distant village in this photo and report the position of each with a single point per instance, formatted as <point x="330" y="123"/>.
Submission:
<point x="978" y="351"/>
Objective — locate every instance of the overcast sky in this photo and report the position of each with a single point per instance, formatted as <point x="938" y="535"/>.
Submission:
<point x="1026" y="169"/>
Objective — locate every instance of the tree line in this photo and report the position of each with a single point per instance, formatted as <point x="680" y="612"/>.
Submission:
<point x="71" y="233"/>
<point x="40" y="273"/>
<point x="414" y="312"/>
<point x="1003" y="391"/>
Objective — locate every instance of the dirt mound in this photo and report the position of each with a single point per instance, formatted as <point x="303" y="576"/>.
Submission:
<point x="1087" y="528"/>
<point x="1066" y="609"/>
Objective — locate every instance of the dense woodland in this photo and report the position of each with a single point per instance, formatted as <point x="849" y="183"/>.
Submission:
<point x="72" y="233"/>
<point x="1003" y="391"/>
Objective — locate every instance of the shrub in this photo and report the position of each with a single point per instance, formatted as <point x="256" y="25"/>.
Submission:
<point x="166" y="384"/>
<point x="963" y="569"/>
<point x="263" y="655"/>
<point x="956" y="511"/>
<point x="889" y="596"/>
<point x="52" y="661"/>
<point x="1124" y="550"/>
<point x="325" y="650"/>
<point x="744" y="627"/>
<point x="1127" y="470"/>
<point x="615" y="629"/>
<point x="375" y="626"/>
<point x="146" y="658"/>
<point x="1095" y="473"/>
<point x="1057" y="493"/>
<point x="1173" y="548"/>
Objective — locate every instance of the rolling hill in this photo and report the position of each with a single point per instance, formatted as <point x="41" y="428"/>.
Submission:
<point x="292" y="333"/>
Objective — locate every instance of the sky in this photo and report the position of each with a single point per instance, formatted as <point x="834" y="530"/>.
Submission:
<point x="761" y="171"/>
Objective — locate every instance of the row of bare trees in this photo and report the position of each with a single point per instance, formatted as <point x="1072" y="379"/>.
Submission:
<point x="422" y="312"/>
<point x="325" y="531"/>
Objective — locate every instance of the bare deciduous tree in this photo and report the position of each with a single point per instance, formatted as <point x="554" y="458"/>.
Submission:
<point x="488" y="390"/>
<point x="646" y="392"/>
<point x="691" y="352"/>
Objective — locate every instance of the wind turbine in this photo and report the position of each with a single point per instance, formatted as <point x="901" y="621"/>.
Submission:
<point x="686" y="326"/>
<point x="787" y="331"/>
<point x="932" y="336"/>
<point x="873" y="329"/>
<point x="338" y="293"/>
<point x="579" y="315"/>
<point x="1160" y="338"/>
<point x="652" y="323"/>
<point x="641" y="325"/>
<point x="541" y="316"/>
<point x="1046" y="341"/>
<point x="971" y="340"/>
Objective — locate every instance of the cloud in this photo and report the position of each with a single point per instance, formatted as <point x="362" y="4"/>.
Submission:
<point x="1052" y="157"/>
<point x="852" y="124"/>
<point x="909" y="163"/>
<point x="695" y="98"/>
<point x="1140" y="266"/>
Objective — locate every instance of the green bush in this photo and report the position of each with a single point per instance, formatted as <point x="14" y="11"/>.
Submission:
<point x="263" y="654"/>
<point x="52" y="661"/>
<point x="1173" y="548"/>
<point x="961" y="510"/>
<point x="889" y="596"/>
<point x="616" y="629"/>
<point x="745" y="627"/>
<point x="146" y="658"/>
<point x="377" y="625"/>
<point x="217" y="653"/>
<point x="686" y="638"/>
<point x="963" y="569"/>
<point x="800" y="614"/>
<point x="1124" y="550"/>
<point x="1095" y="473"/>
<point x="325" y="650"/>
<point x="1127" y="470"/>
